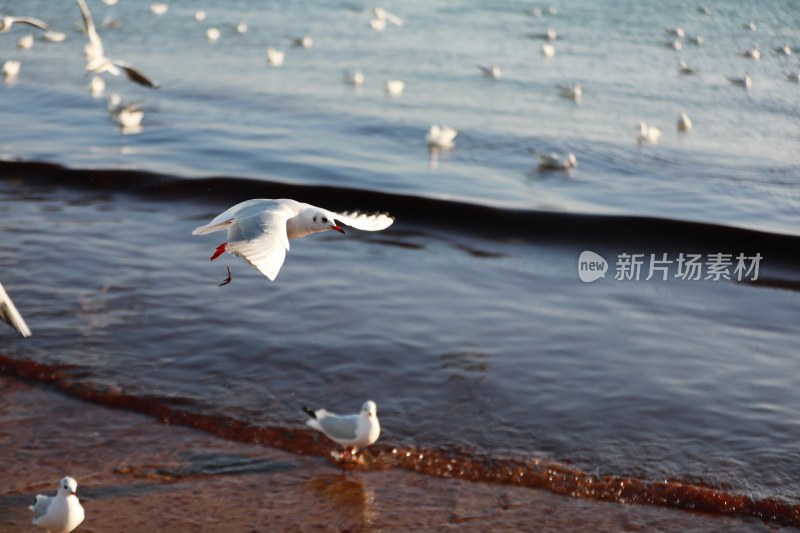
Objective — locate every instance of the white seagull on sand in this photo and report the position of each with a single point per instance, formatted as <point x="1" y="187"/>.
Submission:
<point x="648" y="134"/>
<point x="351" y="432"/>
<point x="10" y="315"/>
<point x="259" y="230"/>
<point x="97" y="62"/>
<point x="441" y="136"/>
<point x="62" y="512"/>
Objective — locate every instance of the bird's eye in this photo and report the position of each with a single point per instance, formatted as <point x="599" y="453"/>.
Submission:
<point x="324" y="219"/>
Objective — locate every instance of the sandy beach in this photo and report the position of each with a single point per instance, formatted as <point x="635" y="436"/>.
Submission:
<point x="135" y="474"/>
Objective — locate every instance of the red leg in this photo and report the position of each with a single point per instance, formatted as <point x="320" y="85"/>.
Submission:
<point x="219" y="251"/>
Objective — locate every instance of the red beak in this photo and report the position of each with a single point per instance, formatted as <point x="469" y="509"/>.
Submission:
<point x="338" y="228"/>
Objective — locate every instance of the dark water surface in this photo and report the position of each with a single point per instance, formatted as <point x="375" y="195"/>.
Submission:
<point x="479" y="346"/>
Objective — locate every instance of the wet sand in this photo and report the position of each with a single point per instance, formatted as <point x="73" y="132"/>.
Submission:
<point x="136" y="474"/>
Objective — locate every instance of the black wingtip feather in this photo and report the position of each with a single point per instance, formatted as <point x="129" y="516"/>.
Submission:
<point x="310" y="412"/>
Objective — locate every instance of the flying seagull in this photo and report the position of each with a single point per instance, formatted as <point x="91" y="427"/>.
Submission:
<point x="97" y="62"/>
<point x="10" y="315"/>
<point x="259" y="230"/>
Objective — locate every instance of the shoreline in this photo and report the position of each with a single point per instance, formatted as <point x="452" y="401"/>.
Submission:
<point x="135" y="471"/>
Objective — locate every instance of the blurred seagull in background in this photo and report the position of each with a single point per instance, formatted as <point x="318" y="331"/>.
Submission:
<point x="752" y="53"/>
<point x="573" y="92"/>
<point x="97" y="86"/>
<point x="676" y="31"/>
<point x="380" y="13"/>
<point x="491" y="71"/>
<point x="441" y="136"/>
<point x="793" y="76"/>
<point x="648" y="134"/>
<point x="553" y="161"/>
<point x="6" y="22"/>
<point x="306" y="41"/>
<point x="10" y="315"/>
<point x="784" y="50"/>
<point x="275" y="57"/>
<point x="745" y="82"/>
<point x="684" y="122"/>
<point x="158" y="8"/>
<point x="11" y="68"/>
<point x="25" y="42"/>
<point x="353" y="77"/>
<point x="212" y="34"/>
<point x="394" y="87"/>
<point x="750" y="25"/>
<point x="97" y="62"/>
<point x="548" y="50"/>
<point x="685" y="69"/>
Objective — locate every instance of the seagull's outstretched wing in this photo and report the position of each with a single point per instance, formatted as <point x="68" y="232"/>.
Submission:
<point x="135" y="75"/>
<point x="91" y="32"/>
<point x="260" y="239"/>
<point x="40" y="506"/>
<point x="30" y="21"/>
<point x="10" y="315"/>
<point x="364" y="222"/>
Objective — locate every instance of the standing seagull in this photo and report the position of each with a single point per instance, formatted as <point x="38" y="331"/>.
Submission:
<point x="97" y="62"/>
<point x="6" y="22"/>
<point x="10" y="315"/>
<point x="62" y="512"/>
<point x="351" y="432"/>
<point x="259" y="230"/>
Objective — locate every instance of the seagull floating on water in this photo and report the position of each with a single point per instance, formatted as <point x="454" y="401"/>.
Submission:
<point x="553" y="161"/>
<point x="275" y="57"/>
<point x="159" y="8"/>
<point x="793" y="76"/>
<point x="6" y="22"/>
<point x="52" y="36"/>
<point x="259" y="230"/>
<point x="676" y="31"/>
<point x="62" y="512"/>
<point x="698" y="39"/>
<point x="441" y="136"/>
<point x="745" y="82"/>
<point x="752" y="53"/>
<point x="785" y="50"/>
<point x="110" y="2"/>
<point x="648" y="134"/>
<point x="97" y="86"/>
<point x="353" y="77"/>
<point x="685" y="69"/>
<point x="128" y="116"/>
<point x="212" y="34"/>
<point x="200" y="16"/>
<point x="25" y="42"/>
<point x="11" y="68"/>
<point x="10" y="315"/>
<point x="351" y="432"/>
<point x="684" y="122"/>
<point x="491" y="71"/>
<point x="241" y="27"/>
<point x="305" y="41"/>
<point x="548" y="50"/>
<point x="704" y="10"/>
<point x="674" y="44"/>
<point x="573" y="92"/>
<point x="394" y="87"/>
<point x="97" y="62"/>
<point x="750" y="25"/>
